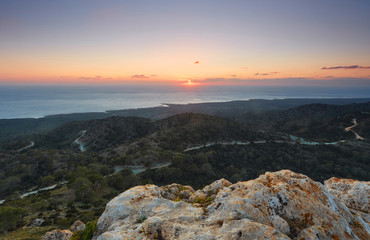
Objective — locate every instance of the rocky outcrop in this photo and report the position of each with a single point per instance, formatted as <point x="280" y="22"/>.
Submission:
<point x="279" y="205"/>
<point x="58" y="235"/>
<point x="354" y="194"/>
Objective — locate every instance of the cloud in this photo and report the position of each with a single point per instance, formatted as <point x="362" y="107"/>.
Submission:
<point x="233" y="75"/>
<point x="345" y="67"/>
<point x="244" y="67"/>
<point x="139" y="76"/>
<point x="98" y="77"/>
<point x="266" y="74"/>
<point x="153" y="75"/>
<point x="196" y="62"/>
<point x="329" y="82"/>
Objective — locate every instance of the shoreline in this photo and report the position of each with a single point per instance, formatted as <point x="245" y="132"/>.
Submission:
<point x="169" y="105"/>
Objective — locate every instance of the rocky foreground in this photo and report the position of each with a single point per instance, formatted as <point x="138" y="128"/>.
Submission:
<point x="279" y="205"/>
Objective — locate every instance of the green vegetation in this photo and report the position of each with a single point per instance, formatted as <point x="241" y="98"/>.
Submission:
<point x="11" y="218"/>
<point x="27" y="233"/>
<point x="141" y="219"/>
<point x="87" y="181"/>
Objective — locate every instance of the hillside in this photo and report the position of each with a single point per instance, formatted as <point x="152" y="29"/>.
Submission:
<point x="10" y="128"/>
<point x="71" y="172"/>
<point x="316" y="121"/>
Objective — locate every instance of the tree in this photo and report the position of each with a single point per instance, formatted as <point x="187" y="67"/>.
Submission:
<point x="45" y="181"/>
<point x="11" y="218"/>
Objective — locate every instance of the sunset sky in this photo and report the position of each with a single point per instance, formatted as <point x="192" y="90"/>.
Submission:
<point x="264" y="42"/>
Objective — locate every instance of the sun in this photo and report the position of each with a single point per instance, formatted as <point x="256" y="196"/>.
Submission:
<point x="189" y="82"/>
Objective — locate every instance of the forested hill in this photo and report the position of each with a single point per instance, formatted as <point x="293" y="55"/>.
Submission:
<point x="316" y="121"/>
<point x="15" y="127"/>
<point x="176" y="132"/>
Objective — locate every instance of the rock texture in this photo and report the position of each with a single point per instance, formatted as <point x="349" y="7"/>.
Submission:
<point x="354" y="194"/>
<point x="58" y="235"/>
<point x="37" y="222"/>
<point x="77" y="226"/>
<point x="279" y="205"/>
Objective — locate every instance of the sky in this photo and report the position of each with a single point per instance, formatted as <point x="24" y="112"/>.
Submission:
<point x="207" y="42"/>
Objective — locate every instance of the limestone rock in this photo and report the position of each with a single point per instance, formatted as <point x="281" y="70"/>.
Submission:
<point x="58" y="235"/>
<point x="354" y="194"/>
<point x="77" y="226"/>
<point x="279" y="205"/>
<point x="209" y="192"/>
<point x="176" y="191"/>
<point x="216" y="186"/>
<point x="37" y="222"/>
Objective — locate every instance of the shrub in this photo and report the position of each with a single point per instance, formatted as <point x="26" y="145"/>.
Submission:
<point x="11" y="218"/>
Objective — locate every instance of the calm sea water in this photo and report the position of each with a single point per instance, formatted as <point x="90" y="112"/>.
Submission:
<point x="38" y="101"/>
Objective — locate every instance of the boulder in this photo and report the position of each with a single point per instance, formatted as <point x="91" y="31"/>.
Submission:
<point x="37" y="222"/>
<point x="279" y="205"/>
<point x="58" y="235"/>
<point x="77" y="226"/>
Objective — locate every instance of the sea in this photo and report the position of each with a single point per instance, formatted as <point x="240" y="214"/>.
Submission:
<point x="39" y="101"/>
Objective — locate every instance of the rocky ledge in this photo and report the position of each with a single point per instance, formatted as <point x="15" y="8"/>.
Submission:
<point x="279" y="205"/>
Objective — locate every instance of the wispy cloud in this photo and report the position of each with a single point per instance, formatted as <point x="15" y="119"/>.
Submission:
<point x="95" y="78"/>
<point x="139" y="76"/>
<point x="345" y="67"/>
<point x="365" y="82"/>
<point x="265" y="74"/>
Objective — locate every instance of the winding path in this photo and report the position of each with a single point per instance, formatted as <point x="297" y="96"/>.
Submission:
<point x="350" y="128"/>
<point x="77" y="141"/>
<point x="293" y="140"/>
<point x="26" y="147"/>
<point x="138" y="169"/>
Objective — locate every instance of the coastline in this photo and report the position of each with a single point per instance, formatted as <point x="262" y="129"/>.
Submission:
<point x="108" y="113"/>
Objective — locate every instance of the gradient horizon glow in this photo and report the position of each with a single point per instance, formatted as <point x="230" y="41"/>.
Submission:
<point x="203" y="42"/>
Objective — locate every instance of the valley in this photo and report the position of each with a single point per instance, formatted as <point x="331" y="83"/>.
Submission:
<point x="71" y="171"/>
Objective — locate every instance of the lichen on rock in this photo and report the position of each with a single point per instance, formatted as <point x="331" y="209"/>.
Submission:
<point x="279" y="205"/>
<point x="58" y="235"/>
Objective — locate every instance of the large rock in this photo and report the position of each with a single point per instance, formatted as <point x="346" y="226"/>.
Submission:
<point x="77" y="226"/>
<point x="58" y="235"/>
<point x="280" y="205"/>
